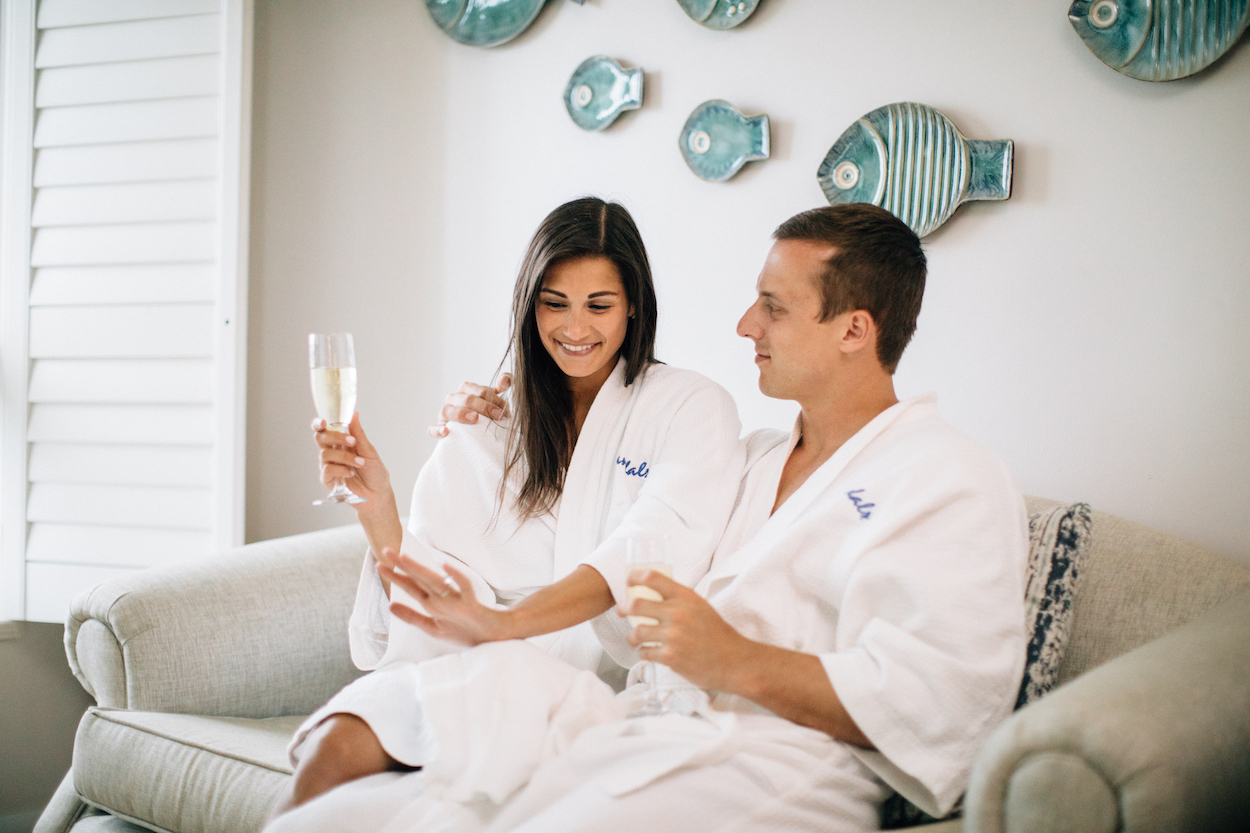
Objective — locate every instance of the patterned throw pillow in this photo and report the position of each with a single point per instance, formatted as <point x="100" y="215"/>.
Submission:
<point x="1058" y="542"/>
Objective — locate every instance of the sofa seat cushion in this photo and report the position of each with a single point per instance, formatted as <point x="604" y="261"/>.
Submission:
<point x="182" y="773"/>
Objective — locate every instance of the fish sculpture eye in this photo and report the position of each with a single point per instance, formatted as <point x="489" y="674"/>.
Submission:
<point x="1104" y="14"/>
<point x="700" y="142"/>
<point x="846" y="175"/>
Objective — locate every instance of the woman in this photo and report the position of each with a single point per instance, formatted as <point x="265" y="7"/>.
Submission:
<point x="602" y="442"/>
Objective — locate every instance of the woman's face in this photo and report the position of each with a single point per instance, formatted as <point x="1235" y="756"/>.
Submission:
<point x="582" y="314"/>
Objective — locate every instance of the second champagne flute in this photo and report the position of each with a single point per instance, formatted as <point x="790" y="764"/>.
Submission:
<point x="648" y="553"/>
<point x="333" y="360"/>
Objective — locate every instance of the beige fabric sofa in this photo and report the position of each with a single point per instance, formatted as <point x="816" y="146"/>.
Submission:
<point x="201" y="674"/>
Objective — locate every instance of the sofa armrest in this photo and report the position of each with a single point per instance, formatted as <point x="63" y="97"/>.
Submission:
<point x="1155" y="740"/>
<point x="258" y="631"/>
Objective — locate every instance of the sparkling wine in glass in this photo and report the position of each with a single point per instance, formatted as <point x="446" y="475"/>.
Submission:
<point x="647" y="553"/>
<point x="333" y="361"/>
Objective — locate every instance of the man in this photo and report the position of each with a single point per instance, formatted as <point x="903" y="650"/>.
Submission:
<point x="861" y="627"/>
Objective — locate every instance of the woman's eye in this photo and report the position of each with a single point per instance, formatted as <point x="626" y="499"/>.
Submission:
<point x="553" y="305"/>
<point x="600" y="307"/>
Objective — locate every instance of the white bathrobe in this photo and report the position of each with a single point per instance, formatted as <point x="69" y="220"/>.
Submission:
<point x="659" y="456"/>
<point x="899" y="562"/>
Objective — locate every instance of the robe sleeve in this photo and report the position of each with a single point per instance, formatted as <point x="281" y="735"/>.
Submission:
<point x="930" y="633"/>
<point x="688" y="496"/>
<point x="369" y="628"/>
<point x="689" y="490"/>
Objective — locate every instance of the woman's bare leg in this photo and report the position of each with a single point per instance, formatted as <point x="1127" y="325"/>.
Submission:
<point x="341" y="748"/>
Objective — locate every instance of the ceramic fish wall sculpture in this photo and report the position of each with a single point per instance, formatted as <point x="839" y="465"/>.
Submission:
<point x="599" y="90"/>
<point x="1159" y="40"/>
<point x="910" y="160"/>
<point x="484" y="22"/>
<point x="718" y="14"/>
<point x="718" y="140"/>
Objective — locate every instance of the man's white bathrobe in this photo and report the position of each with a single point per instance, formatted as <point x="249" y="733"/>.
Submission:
<point x="661" y="456"/>
<point x="899" y="563"/>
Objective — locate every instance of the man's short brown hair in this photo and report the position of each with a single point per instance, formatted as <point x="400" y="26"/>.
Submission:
<point x="878" y="266"/>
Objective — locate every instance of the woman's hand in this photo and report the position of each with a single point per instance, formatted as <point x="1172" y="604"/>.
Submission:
<point x="469" y="401"/>
<point x="352" y="458"/>
<point x="455" y="614"/>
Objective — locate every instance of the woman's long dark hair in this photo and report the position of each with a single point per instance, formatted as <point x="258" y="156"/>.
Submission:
<point x="540" y="443"/>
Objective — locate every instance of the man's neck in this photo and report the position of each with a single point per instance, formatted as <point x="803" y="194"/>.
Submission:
<point x="826" y="422"/>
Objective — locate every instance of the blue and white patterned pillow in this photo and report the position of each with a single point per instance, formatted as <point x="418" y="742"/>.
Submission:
<point x="1058" y="542"/>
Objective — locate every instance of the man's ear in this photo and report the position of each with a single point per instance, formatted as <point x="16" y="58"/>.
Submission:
<point x="860" y="331"/>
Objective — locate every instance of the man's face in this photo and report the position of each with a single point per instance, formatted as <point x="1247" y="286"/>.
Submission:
<point x="797" y="354"/>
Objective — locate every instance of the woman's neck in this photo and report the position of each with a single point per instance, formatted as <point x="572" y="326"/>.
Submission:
<point x="584" y="390"/>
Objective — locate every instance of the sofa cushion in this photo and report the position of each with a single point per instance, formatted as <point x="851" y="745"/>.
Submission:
<point x="182" y="773"/>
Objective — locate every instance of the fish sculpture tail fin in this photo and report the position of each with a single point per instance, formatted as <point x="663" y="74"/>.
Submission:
<point x="633" y="89"/>
<point x="760" y="139"/>
<point x="990" y="177"/>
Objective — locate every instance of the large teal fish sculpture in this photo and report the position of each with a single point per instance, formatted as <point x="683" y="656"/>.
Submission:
<point x="718" y="14"/>
<point x="717" y="140"/>
<point x="910" y="160"/>
<point x="1159" y="40"/>
<point x="484" y="22"/>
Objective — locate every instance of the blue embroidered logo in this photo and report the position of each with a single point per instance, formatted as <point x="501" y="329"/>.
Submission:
<point x="864" y="509"/>
<point x="640" y="470"/>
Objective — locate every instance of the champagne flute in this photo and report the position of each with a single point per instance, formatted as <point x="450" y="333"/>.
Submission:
<point x="333" y="361"/>
<point x="648" y="553"/>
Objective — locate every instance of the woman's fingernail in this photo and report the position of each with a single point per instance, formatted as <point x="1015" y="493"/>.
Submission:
<point x="472" y="417"/>
<point x="351" y="440"/>
<point x="497" y="413"/>
<point x="360" y="461"/>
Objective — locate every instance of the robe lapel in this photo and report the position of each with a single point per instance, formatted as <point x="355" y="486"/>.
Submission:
<point x="725" y="568"/>
<point x="587" y="483"/>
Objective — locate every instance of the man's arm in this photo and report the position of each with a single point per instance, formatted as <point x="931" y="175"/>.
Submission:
<point x="705" y="649"/>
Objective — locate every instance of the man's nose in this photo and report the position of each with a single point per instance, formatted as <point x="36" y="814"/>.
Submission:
<point x="746" y="327"/>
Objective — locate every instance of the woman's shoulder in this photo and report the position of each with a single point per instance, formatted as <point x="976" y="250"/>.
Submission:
<point x="664" y="378"/>
<point x="675" y="390"/>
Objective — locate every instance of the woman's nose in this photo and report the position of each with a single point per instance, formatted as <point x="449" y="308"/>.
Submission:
<point x="577" y="325"/>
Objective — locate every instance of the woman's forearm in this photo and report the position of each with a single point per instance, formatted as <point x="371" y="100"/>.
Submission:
<point x="581" y="595"/>
<point x="380" y="520"/>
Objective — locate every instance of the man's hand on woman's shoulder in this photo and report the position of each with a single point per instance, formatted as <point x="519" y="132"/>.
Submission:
<point x="469" y="402"/>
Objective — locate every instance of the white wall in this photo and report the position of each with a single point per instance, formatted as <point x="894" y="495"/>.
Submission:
<point x="346" y="236"/>
<point x="1091" y="330"/>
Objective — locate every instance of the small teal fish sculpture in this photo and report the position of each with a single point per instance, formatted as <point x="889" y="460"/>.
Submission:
<point x="910" y="160"/>
<point x="718" y="14"/>
<point x="599" y="90"/>
<point x="484" y="22"/>
<point x="1159" y="40"/>
<point x="718" y="140"/>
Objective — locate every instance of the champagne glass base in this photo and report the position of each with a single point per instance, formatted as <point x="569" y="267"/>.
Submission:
<point x="650" y="709"/>
<point x="328" y="499"/>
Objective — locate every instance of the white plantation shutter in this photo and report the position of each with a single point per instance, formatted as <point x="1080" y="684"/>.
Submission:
<point x="131" y="318"/>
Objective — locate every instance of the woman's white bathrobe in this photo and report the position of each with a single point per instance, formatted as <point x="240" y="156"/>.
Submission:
<point x="662" y="455"/>
<point x="899" y="562"/>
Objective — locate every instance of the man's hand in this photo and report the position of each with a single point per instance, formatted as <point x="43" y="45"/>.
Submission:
<point x="698" y="644"/>
<point x="693" y="639"/>
<point x="454" y="613"/>
<point x="471" y="400"/>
